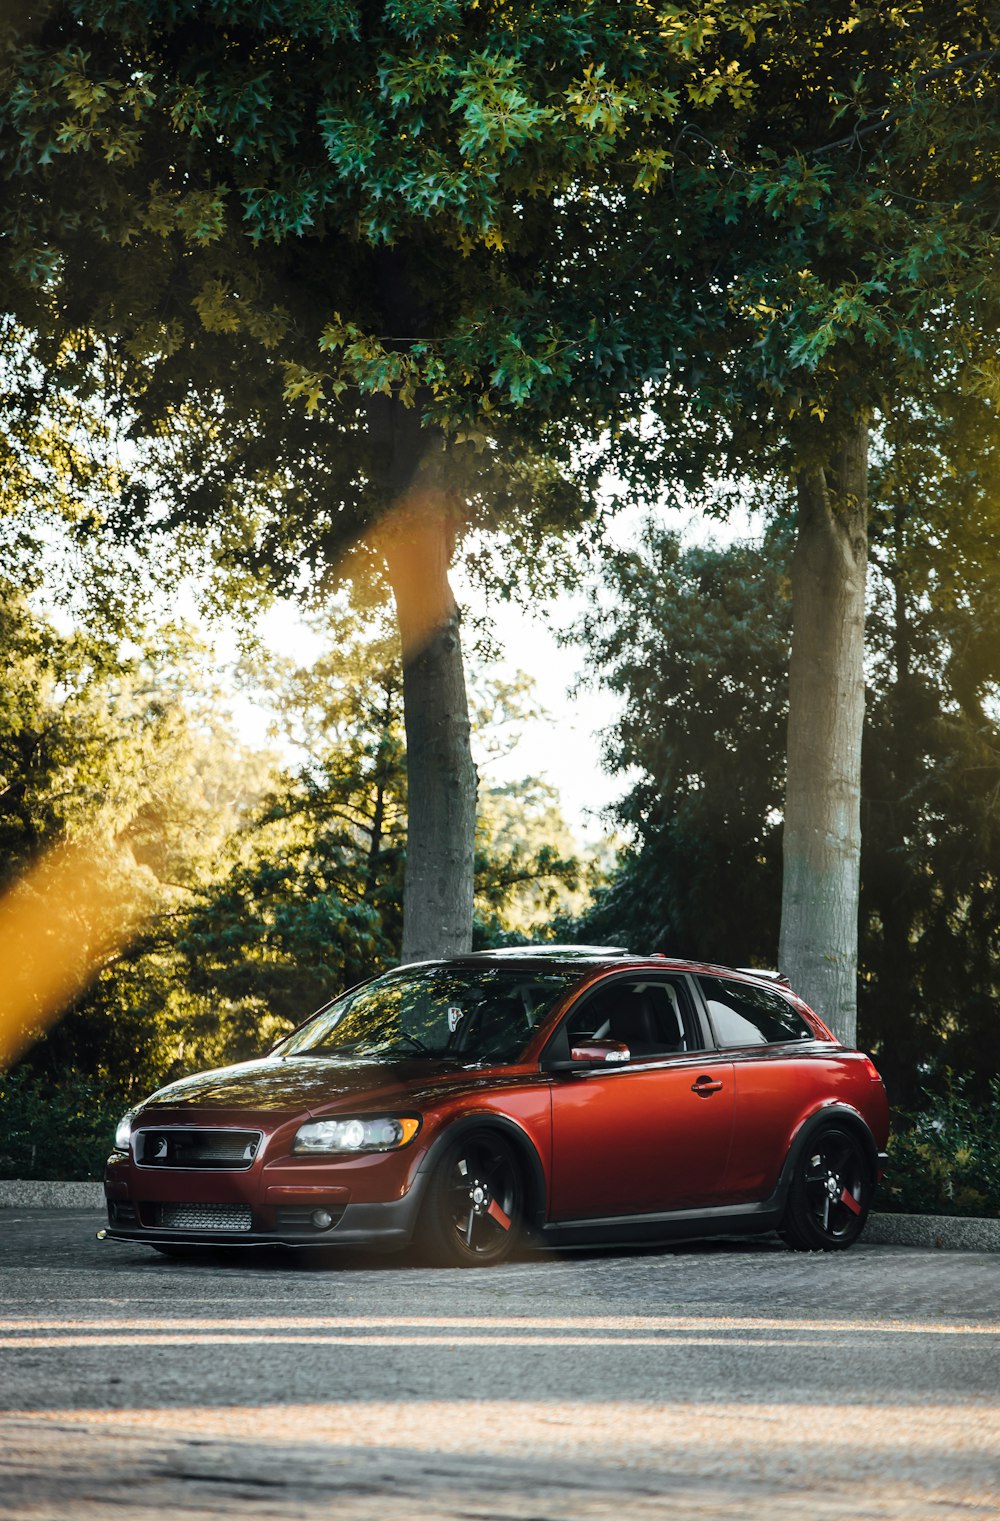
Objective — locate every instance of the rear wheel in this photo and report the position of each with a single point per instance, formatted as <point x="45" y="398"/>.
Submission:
<point x="831" y="1192"/>
<point x="474" y="1212"/>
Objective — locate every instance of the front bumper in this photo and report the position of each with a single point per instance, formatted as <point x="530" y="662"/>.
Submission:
<point x="389" y="1226"/>
<point x="370" y="1200"/>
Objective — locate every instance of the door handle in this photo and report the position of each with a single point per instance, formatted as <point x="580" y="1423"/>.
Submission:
<point x="706" y="1085"/>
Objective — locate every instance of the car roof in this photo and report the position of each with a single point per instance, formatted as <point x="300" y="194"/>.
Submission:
<point x="543" y="952"/>
<point x="592" y="957"/>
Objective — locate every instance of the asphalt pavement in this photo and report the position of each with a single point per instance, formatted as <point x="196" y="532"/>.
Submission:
<point x="731" y="1380"/>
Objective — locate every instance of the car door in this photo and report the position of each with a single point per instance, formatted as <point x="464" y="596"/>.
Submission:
<point x="778" y="1068"/>
<point x="649" y="1135"/>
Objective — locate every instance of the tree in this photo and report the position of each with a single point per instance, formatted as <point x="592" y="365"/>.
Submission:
<point x="762" y="224"/>
<point x="126" y="761"/>
<point x="303" y="898"/>
<point x="821" y="236"/>
<point x="228" y="232"/>
<point x="695" y="644"/>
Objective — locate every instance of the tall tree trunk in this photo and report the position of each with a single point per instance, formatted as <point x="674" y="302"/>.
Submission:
<point x="441" y="777"/>
<point x="417" y="538"/>
<point x="822" y="836"/>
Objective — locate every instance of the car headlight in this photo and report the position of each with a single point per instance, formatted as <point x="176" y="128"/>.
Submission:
<point x="384" y="1133"/>
<point x="124" y="1130"/>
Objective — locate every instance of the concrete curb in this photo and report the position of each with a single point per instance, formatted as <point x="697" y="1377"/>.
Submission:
<point x="949" y="1232"/>
<point x="32" y="1195"/>
<point x="953" y="1233"/>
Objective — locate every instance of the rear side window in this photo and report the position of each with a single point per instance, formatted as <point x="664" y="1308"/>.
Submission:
<point x="744" y="1015"/>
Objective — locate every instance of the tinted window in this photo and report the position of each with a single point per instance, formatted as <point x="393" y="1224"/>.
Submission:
<point x="744" y="1015"/>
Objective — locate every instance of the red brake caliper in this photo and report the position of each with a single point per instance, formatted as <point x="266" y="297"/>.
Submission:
<point x="498" y="1215"/>
<point x="848" y="1198"/>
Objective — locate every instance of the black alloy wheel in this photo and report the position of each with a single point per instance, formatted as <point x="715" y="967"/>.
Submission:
<point x="831" y="1192"/>
<point x="475" y="1206"/>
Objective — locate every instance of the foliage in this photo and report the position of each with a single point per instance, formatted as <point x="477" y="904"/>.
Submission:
<point x="695" y="642"/>
<point x="59" y="1129"/>
<point x="775" y="214"/>
<point x="831" y="170"/>
<point x="527" y="867"/>
<point x="125" y="751"/>
<point x="223" y="260"/>
<point x="59" y="468"/>
<point x="126" y="744"/>
<point x="265" y="890"/>
<point x="945" y="1159"/>
<point x="312" y="898"/>
<point x="931" y="763"/>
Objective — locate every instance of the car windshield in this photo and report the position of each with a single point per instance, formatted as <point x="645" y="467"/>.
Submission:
<point x="478" y="1014"/>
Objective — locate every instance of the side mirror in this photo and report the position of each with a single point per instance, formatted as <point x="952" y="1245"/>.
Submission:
<point x="596" y="1053"/>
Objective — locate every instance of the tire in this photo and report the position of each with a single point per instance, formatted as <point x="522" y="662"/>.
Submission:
<point x="474" y="1212"/>
<point x="831" y="1192"/>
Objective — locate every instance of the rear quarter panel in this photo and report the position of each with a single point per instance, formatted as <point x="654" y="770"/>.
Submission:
<point x="777" y="1093"/>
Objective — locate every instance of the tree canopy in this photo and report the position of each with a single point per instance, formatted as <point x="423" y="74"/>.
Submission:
<point x="699" y="239"/>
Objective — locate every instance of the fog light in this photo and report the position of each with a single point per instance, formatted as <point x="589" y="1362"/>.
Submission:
<point x="322" y="1219"/>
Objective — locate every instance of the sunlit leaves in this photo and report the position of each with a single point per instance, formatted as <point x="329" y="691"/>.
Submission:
<point x="497" y="112"/>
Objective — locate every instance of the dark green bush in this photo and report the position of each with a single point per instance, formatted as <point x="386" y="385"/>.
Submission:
<point x="946" y="1159"/>
<point x="58" y="1130"/>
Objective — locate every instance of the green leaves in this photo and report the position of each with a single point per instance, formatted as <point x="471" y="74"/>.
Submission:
<point x="498" y="115"/>
<point x="793" y="185"/>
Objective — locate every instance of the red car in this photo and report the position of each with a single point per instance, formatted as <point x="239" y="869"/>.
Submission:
<point x="562" y="1096"/>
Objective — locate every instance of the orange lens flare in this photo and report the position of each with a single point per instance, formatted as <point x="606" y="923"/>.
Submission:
<point x="58" y="925"/>
<point x="416" y="538"/>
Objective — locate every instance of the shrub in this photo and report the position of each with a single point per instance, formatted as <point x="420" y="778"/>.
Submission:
<point x="60" y="1131"/>
<point x="946" y="1159"/>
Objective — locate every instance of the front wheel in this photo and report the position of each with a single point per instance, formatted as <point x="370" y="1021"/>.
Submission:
<point x="474" y="1212"/>
<point x="830" y="1194"/>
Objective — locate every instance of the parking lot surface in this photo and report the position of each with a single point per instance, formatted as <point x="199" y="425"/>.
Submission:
<point x="723" y="1380"/>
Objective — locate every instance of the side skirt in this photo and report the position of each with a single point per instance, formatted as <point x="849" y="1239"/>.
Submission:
<point x="673" y="1225"/>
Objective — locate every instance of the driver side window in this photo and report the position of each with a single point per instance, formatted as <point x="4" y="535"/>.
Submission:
<point x="652" y="1018"/>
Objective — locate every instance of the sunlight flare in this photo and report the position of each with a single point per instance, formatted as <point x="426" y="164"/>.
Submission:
<point x="59" y="924"/>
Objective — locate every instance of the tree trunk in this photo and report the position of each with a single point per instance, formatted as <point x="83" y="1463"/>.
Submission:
<point x="822" y="835"/>
<point x="417" y="537"/>
<point x="441" y="777"/>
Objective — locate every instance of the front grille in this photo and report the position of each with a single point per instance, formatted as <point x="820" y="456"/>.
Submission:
<point x="203" y="1217"/>
<point x="181" y="1146"/>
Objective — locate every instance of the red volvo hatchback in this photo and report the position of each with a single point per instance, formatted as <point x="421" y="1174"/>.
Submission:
<point x="552" y="1095"/>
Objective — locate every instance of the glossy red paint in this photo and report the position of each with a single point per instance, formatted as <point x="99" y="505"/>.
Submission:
<point x="640" y="1140"/>
<point x="689" y="1136"/>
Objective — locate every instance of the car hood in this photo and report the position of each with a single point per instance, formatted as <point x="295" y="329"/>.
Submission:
<point x="304" y="1083"/>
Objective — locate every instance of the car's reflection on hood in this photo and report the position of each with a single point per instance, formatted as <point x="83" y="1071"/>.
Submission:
<point x="302" y="1081"/>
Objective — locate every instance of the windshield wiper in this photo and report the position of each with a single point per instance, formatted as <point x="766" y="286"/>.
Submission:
<point x="416" y="1042"/>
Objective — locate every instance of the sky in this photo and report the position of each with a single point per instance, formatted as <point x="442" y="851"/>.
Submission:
<point x="562" y="748"/>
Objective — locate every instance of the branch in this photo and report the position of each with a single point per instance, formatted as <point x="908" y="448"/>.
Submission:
<point x="870" y="125"/>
